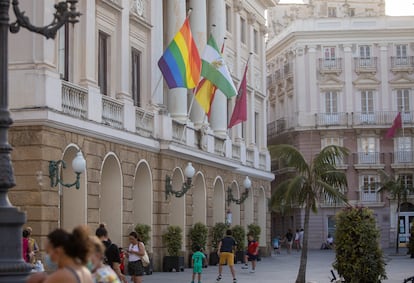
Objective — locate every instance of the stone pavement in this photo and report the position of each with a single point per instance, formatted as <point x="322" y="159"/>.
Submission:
<point x="283" y="268"/>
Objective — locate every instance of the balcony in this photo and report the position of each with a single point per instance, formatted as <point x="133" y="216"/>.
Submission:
<point x="327" y="66"/>
<point x="370" y="197"/>
<point x="402" y="64"/>
<point x="331" y="119"/>
<point x="112" y="112"/>
<point x="365" y="65"/>
<point x="368" y="160"/>
<point x="74" y="100"/>
<point x="403" y="159"/>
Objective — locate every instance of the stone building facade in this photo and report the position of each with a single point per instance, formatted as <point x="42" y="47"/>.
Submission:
<point x="97" y="89"/>
<point x="339" y="72"/>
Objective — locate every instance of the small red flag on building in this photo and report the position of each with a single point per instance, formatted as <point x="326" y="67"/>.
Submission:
<point x="240" y="109"/>
<point x="397" y="124"/>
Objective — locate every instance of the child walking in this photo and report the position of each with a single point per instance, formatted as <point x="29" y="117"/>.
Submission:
<point x="251" y="253"/>
<point x="198" y="260"/>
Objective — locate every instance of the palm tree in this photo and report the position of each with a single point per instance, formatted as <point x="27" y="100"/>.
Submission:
<point x="317" y="180"/>
<point x="398" y="191"/>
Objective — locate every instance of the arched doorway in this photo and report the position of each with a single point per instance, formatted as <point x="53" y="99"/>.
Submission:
<point x="249" y="209"/>
<point x="72" y="215"/>
<point x="261" y="215"/>
<point x="142" y="198"/>
<point x="234" y="207"/>
<point x="218" y="201"/>
<point x="199" y="199"/>
<point x="110" y="206"/>
<point x="177" y="204"/>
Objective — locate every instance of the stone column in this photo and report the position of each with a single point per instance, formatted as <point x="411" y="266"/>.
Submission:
<point x="251" y="117"/>
<point x="198" y="21"/>
<point x="217" y="16"/>
<point x="156" y="52"/>
<point x="386" y="98"/>
<point x="298" y="65"/>
<point x="177" y="97"/>
<point x="348" y="98"/>
<point x="313" y="91"/>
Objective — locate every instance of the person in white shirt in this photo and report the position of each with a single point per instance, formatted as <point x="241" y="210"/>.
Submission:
<point x="135" y="250"/>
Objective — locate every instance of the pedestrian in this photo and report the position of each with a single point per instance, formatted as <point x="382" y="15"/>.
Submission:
<point x="66" y="255"/>
<point x="135" y="251"/>
<point x="34" y="248"/>
<point x="288" y="240"/>
<point x="112" y="257"/>
<point x="297" y="240"/>
<point x="197" y="261"/>
<point x="101" y="273"/>
<point x="25" y="246"/>
<point x="226" y="253"/>
<point x="301" y="232"/>
<point x="251" y="253"/>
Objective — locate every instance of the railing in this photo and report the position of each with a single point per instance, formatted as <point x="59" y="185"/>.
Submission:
<point x="332" y="119"/>
<point x="366" y="65"/>
<point x="333" y="65"/>
<point x="144" y="122"/>
<point x="402" y="63"/>
<point x="262" y="161"/>
<point x="249" y="157"/>
<point x="235" y="151"/>
<point x="369" y="196"/>
<point x="368" y="158"/>
<point x="219" y="145"/>
<point x="178" y="131"/>
<point x="112" y="112"/>
<point x="74" y="100"/>
<point x="403" y="157"/>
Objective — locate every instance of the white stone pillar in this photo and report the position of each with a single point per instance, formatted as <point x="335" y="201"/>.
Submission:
<point x="218" y="117"/>
<point x="298" y="63"/>
<point x="198" y="21"/>
<point x="386" y="97"/>
<point x="156" y="52"/>
<point x="313" y="91"/>
<point x="348" y="98"/>
<point x="177" y="97"/>
<point x="251" y="117"/>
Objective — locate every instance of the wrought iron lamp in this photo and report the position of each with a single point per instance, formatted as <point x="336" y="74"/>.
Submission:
<point x="247" y="184"/>
<point x="189" y="174"/>
<point x="14" y="269"/>
<point x="78" y="165"/>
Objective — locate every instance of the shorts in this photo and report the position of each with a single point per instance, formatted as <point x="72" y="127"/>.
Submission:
<point x="135" y="268"/>
<point x="197" y="268"/>
<point x="251" y="257"/>
<point x="226" y="257"/>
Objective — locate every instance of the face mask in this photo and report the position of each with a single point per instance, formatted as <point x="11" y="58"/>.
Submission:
<point x="52" y="266"/>
<point x="90" y="266"/>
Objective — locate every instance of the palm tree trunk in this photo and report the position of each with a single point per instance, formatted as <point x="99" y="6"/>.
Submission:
<point x="397" y="242"/>
<point x="301" y="278"/>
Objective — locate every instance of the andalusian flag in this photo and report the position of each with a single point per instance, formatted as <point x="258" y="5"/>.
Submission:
<point x="216" y="75"/>
<point x="180" y="64"/>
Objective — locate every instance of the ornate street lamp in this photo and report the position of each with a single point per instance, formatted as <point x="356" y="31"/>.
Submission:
<point x="247" y="184"/>
<point x="13" y="268"/>
<point x="78" y="165"/>
<point x="189" y="174"/>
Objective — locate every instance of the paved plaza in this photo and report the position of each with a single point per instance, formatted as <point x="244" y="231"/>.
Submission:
<point x="283" y="268"/>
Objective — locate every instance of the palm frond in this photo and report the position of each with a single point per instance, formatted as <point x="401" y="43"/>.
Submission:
<point x="290" y="155"/>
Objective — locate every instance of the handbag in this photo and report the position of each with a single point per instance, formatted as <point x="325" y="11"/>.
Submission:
<point x="145" y="259"/>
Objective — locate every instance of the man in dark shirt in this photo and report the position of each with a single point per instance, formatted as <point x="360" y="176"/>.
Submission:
<point x="226" y="254"/>
<point x="112" y="257"/>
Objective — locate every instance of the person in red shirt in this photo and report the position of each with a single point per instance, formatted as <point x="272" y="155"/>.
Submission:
<point x="251" y="254"/>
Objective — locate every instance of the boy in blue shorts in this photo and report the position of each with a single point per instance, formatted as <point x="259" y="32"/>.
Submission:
<point x="198" y="260"/>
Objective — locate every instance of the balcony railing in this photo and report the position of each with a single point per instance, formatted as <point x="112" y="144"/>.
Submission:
<point x="333" y="65"/>
<point x="235" y="151"/>
<point x="249" y="157"/>
<point x="74" y="100"/>
<point x="368" y="65"/>
<point x="402" y="63"/>
<point x="368" y="158"/>
<point x="262" y="161"/>
<point x="403" y="157"/>
<point x="112" y="112"/>
<point x="219" y="145"/>
<point x="178" y="131"/>
<point x="144" y="122"/>
<point x="332" y="119"/>
<point x="369" y="196"/>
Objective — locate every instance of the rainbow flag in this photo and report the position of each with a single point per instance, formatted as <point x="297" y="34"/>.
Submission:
<point x="181" y="64"/>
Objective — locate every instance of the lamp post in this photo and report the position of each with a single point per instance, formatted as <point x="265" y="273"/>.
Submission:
<point x="13" y="268"/>
<point x="230" y="198"/>
<point x="78" y="165"/>
<point x="189" y="174"/>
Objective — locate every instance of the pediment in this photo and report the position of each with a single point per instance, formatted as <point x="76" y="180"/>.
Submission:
<point x="367" y="81"/>
<point x="330" y="82"/>
<point x="401" y="80"/>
